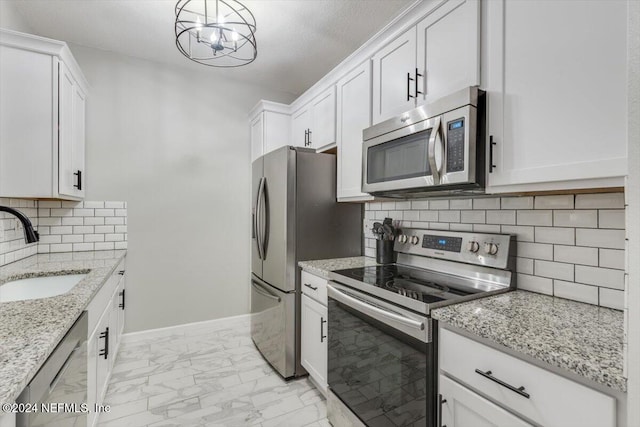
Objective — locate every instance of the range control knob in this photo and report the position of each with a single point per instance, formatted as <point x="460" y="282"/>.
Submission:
<point x="402" y="238"/>
<point x="491" y="248"/>
<point x="415" y="240"/>
<point x="473" y="246"/>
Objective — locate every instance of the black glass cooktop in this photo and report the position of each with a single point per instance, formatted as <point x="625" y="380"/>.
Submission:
<point x="414" y="283"/>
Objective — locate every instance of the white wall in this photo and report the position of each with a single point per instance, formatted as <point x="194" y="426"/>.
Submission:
<point x="11" y="19"/>
<point x="175" y="145"/>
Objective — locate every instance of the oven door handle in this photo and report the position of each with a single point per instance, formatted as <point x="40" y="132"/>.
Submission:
<point x="373" y="311"/>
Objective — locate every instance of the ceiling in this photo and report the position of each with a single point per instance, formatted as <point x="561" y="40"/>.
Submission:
<point x="299" y="41"/>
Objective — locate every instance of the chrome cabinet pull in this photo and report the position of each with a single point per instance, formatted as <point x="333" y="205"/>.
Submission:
<point x="315" y="288"/>
<point x="519" y="390"/>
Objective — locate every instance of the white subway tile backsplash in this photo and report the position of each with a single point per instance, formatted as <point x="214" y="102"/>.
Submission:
<point x="612" y="298"/>
<point x="486" y="203"/>
<point x="98" y="220"/>
<point x="72" y="205"/>
<point x="83" y="229"/>
<point x="535" y="250"/>
<point x="81" y="247"/>
<point x="517" y="202"/>
<point x="610" y="239"/>
<point x="576" y="255"/>
<point x="461" y="204"/>
<point x="388" y="206"/>
<point x="559" y="235"/>
<point x="600" y="201"/>
<point x="438" y="204"/>
<point x="83" y="212"/>
<point x="523" y="233"/>
<point x="473" y="217"/>
<point x="524" y="265"/>
<point x="114" y="205"/>
<point x="486" y="228"/>
<point x="612" y="258"/>
<point x="603" y="277"/>
<point x="72" y="220"/>
<point x="113" y="237"/>
<point x="449" y="216"/>
<point x="575" y="291"/>
<point x="103" y="246"/>
<point x="51" y="239"/>
<point x="49" y="204"/>
<point x="534" y="217"/>
<point x="64" y="229"/>
<point x="541" y="285"/>
<point x="428" y="216"/>
<point x="49" y="221"/>
<point x="611" y="218"/>
<point x="93" y="205"/>
<point x="419" y="204"/>
<point x="553" y="270"/>
<point x="554" y="202"/>
<point x="60" y="247"/>
<point x="570" y="246"/>
<point x="576" y="218"/>
<point x="72" y="238"/>
<point x="123" y="245"/>
<point x="507" y="217"/>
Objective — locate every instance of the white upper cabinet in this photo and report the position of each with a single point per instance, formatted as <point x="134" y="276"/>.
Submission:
<point x="555" y="75"/>
<point x="438" y="56"/>
<point x="42" y="119"/>
<point x="270" y="128"/>
<point x="448" y="46"/>
<point x="354" y="115"/>
<point x="314" y="124"/>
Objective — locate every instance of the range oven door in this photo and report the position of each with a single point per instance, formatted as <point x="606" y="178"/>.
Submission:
<point x="431" y="152"/>
<point x="273" y="325"/>
<point x="381" y="360"/>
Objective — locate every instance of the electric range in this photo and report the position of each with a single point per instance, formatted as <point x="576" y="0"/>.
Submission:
<point x="382" y="365"/>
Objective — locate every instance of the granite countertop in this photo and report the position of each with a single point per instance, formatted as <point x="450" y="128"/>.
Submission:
<point x="31" y="329"/>
<point x="584" y="339"/>
<point x="322" y="267"/>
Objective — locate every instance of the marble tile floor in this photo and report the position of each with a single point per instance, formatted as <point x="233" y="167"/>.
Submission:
<point x="205" y="376"/>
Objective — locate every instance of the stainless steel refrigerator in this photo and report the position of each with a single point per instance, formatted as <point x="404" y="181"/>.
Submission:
<point x="295" y="217"/>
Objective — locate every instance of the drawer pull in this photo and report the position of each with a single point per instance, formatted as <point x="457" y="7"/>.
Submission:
<point x="315" y="288"/>
<point x="519" y="390"/>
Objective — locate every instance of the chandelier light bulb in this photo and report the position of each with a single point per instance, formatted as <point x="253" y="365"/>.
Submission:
<point x="198" y="24"/>
<point x="234" y="35"/>
<point x="214" y="36"/>
<point x="220" y="20"/>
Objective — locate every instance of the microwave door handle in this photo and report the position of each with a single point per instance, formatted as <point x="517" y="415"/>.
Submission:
<point x="435" y="139"/>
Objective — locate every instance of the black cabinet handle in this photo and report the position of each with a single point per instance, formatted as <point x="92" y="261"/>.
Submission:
<point x="121" y="305"/>
<point x="315" y="288"/>
<point x="519" y="390"/>
<point x="442" y="402"/>
<point x="409" y="79"/>
<point x="306" y="135"/>
<point x="121" y="272"/>
<point x="309" y="139"/>
<point x="105" y="351"/>
<point x="322" y="335"/>
<point x="79" y="175"/>
<point x="416" y="83"/>
<point x="491" y="145"/>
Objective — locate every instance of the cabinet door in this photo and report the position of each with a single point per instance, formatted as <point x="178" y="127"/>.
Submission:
<point x="277" y="128"/>
<point x="354" y="115"/>
<point x="98" y="367"/>
<point x="314" y="340"/>
<point x="393" y="65"/>
<point x="301" y="122"/>
<point x="257" y="137"/>
<point x="556" y="79"/>
<point x="448" y="47"/>
<point x="460" y="407"/>
<point x="323" y="130"/>
<point x="71" y="134"/>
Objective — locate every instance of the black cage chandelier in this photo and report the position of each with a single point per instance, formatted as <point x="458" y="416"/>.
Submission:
<point x="217" y="33"/>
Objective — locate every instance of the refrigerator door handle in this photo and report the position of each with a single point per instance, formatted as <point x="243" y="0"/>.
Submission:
<point x="267" y="218"/>
<point x="257" y="217"/>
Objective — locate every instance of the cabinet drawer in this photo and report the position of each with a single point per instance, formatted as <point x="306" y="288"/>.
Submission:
<point x="553" y="400"/>
<point x="315" y="287"/>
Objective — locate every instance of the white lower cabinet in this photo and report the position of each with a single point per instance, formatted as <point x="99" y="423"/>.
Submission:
<point x="106" y="322"/>
<point x="460" y="407"/>
<point x="313" y="325"/>
<point x="526" y="390"/>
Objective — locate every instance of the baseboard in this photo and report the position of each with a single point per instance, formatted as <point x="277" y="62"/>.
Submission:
<point x="184" y="328"/>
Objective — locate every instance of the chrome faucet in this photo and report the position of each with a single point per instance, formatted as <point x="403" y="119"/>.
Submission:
<point x="30" y="235"/>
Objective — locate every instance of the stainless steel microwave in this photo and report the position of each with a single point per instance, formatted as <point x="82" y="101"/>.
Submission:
<point x="435" y="149"/>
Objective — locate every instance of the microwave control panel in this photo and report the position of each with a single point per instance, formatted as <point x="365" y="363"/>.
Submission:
<point x="455" y="145"/>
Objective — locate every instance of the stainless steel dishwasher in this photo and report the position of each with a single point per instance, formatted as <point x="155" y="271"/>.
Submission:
<point x="59" y="388"/>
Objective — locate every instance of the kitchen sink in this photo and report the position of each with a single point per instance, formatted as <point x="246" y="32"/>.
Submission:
<point x="38" y="287"/>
